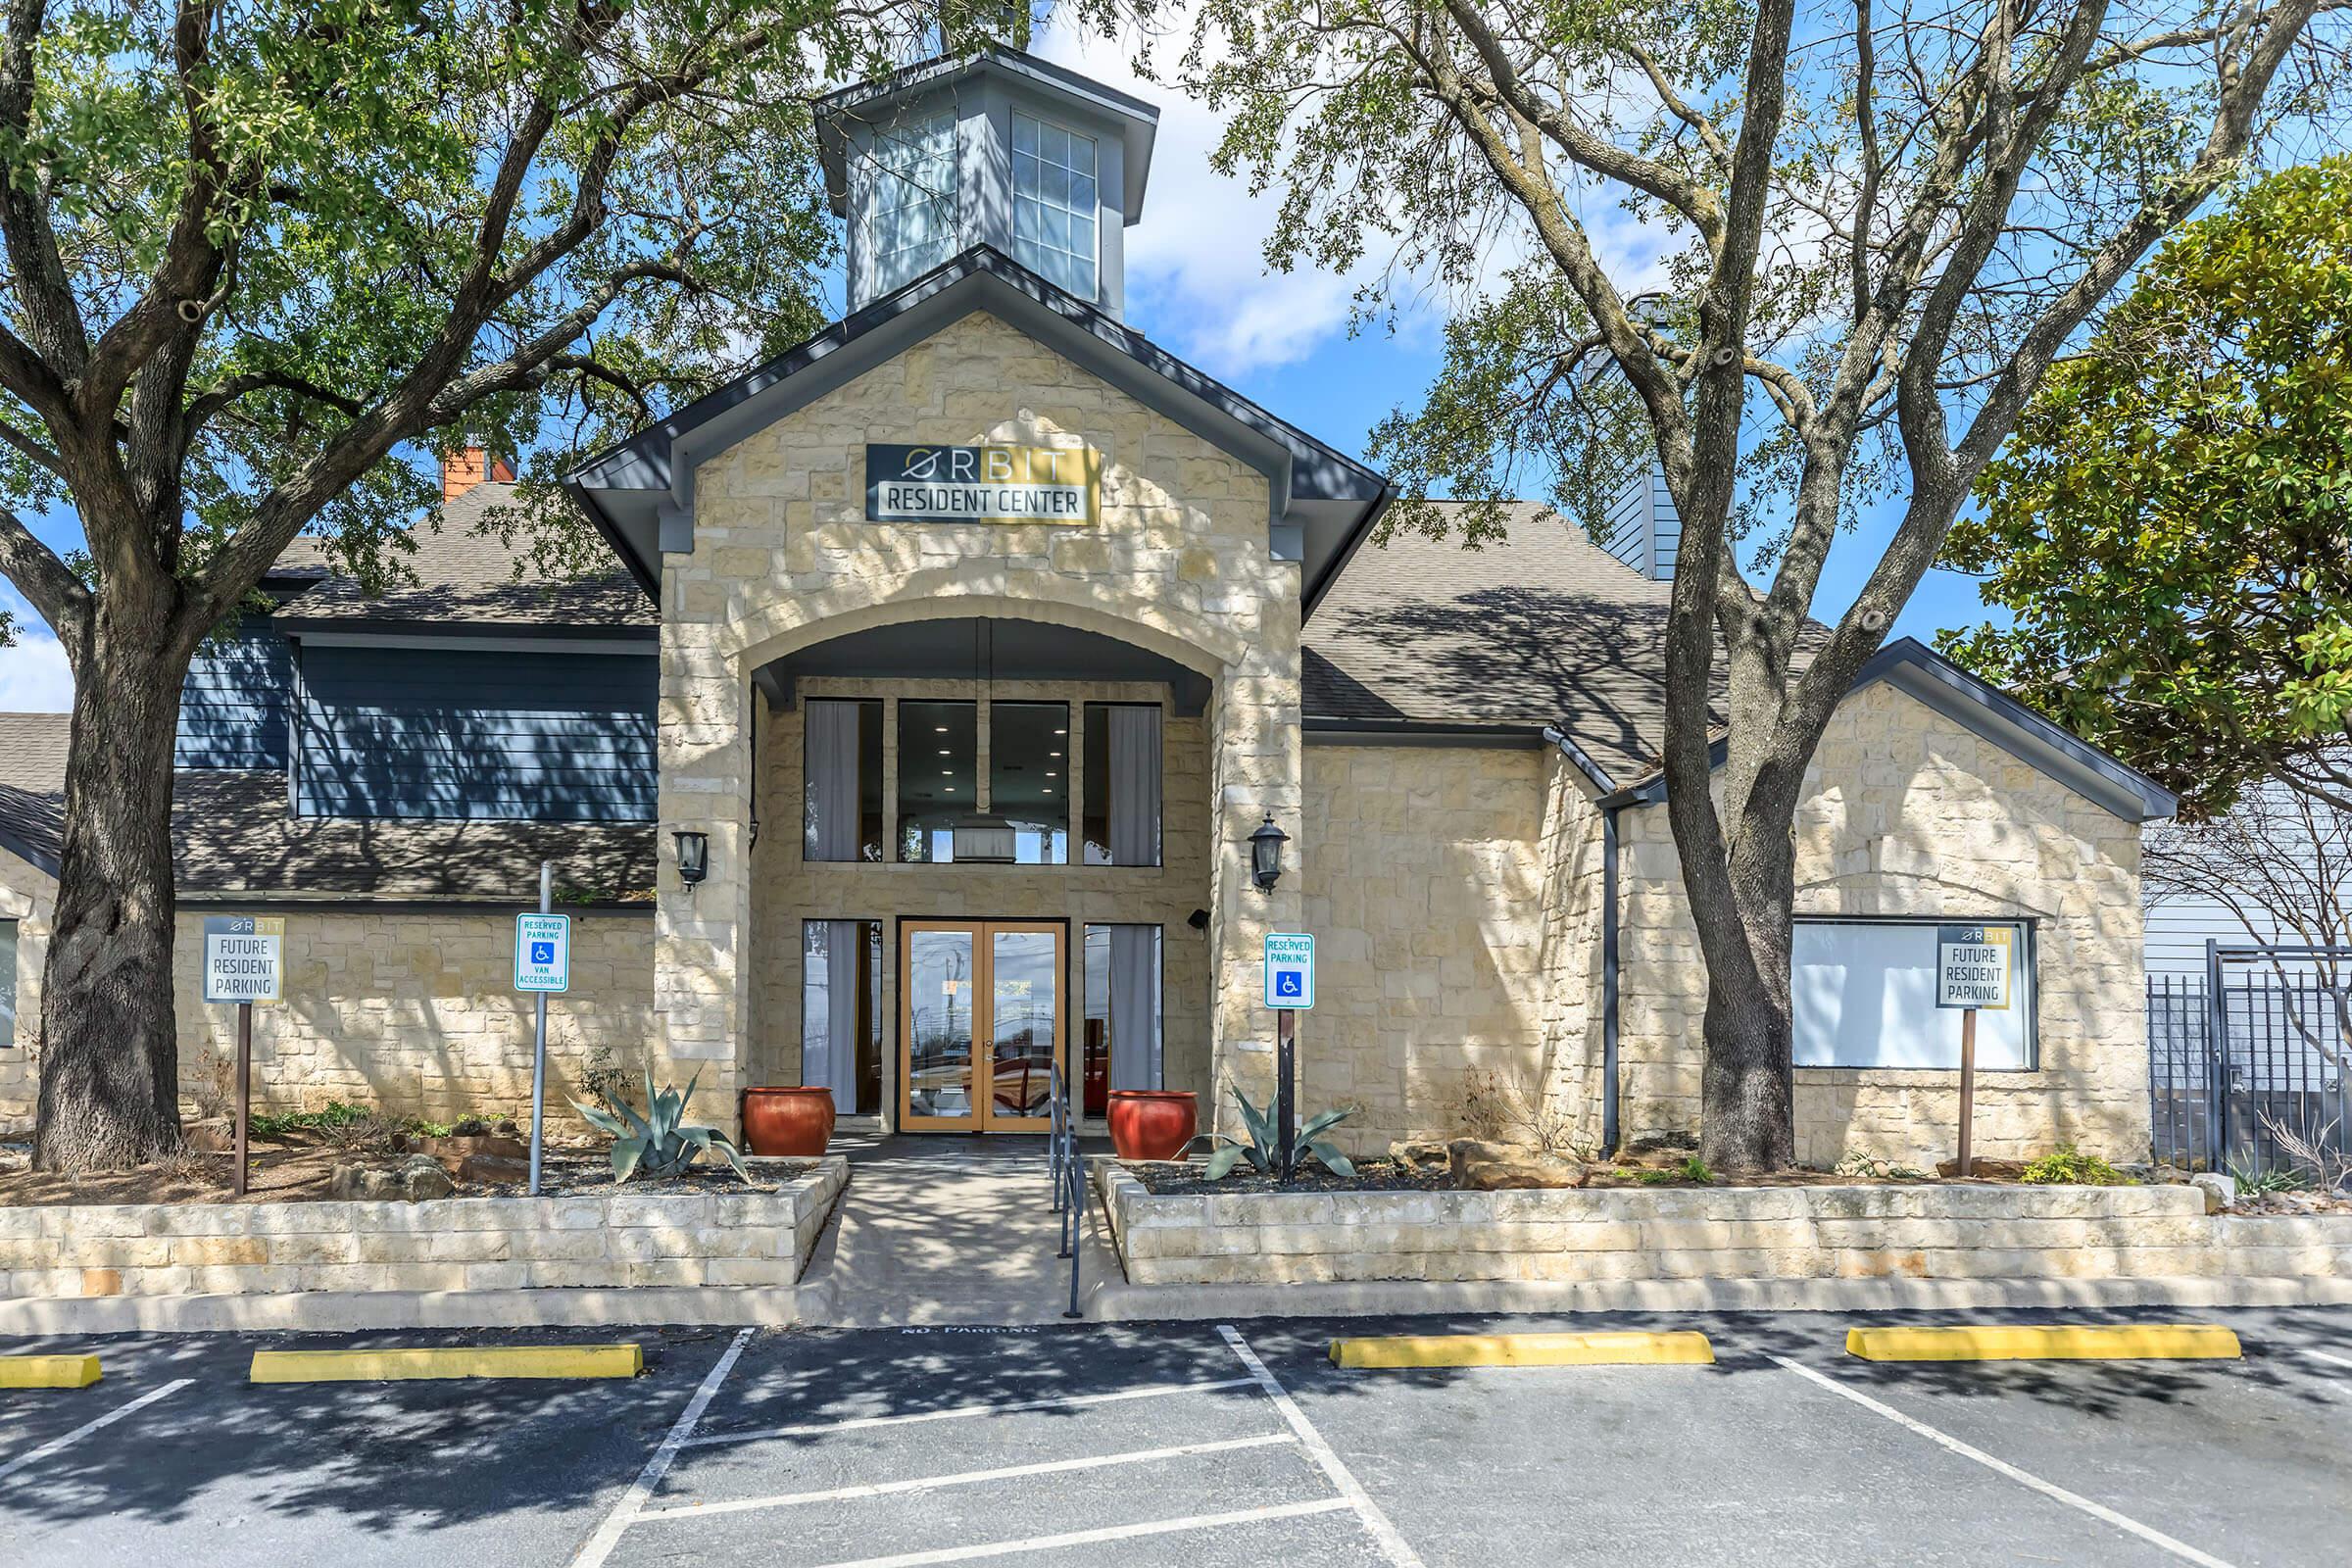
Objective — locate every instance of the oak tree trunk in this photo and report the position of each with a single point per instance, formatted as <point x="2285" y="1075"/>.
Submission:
<point x="109" y="1058"/>
<point x="1747" y="1101"/>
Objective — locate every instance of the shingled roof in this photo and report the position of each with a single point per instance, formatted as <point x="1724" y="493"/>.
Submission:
<point x="1545" y="628"/>
<point x="466" y="578"/>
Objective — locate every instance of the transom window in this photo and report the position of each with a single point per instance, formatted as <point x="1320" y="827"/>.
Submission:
<point x="913" y="224"/>
<point x="1054" y="206"/>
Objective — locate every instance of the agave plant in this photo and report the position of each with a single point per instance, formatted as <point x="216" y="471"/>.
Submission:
<point x="658" y="1142"/>
<point x="1263" y="1151"/>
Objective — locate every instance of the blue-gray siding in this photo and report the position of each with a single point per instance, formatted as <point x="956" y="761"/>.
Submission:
<point x="430" y="732"/>
<point x="234" y="705"/>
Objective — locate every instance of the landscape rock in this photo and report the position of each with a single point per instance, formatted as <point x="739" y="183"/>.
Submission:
<point x="2220" y="1190"/>
<point x="419" y="1178"/>
<point x="1422" y="1156"/>
<point x="216" y="1135"/>
<point x="1992" y="1170"/>
<point x="487" y="1168"/>
<point x="1479" y="1166"/>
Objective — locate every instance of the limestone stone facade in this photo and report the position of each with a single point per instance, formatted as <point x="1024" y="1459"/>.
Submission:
<point x="409" y="1010"/>
<point x="1181" y="564"/>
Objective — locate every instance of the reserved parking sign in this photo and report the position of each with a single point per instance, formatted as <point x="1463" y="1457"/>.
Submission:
<point x="543" y="952"/>
<point x="1290" y="969"/>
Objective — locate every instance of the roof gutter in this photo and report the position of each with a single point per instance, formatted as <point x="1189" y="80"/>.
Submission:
<point x="1610" y="800"/>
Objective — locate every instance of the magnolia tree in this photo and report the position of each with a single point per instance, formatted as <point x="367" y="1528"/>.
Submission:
<point x="1812" y="260"/>
<point x="252" y="247"/>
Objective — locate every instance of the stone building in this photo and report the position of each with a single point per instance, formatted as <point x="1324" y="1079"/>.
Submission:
<point x="915" y="743"/>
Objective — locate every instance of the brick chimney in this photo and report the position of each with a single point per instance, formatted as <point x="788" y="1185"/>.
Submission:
<point x="464" y="467"/>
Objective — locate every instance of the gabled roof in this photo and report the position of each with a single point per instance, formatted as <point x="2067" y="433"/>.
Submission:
<point x="640" y="494"/>
<point x="1546" y="631"/>
<point x="1138" y="120"/>
<point x="1984" y="710"/>
<point x="465" y="580"/>
<point x="1541" y="628"/>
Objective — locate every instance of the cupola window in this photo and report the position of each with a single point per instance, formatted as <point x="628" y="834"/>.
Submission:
<point x="1053" y="203"/>
<point x="913" y="217"/>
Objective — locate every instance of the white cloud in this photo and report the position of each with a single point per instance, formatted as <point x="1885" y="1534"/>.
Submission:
<point x="1198" y="257"/>
<point x="1196" y="277"/>
<point x="33" y="675"/>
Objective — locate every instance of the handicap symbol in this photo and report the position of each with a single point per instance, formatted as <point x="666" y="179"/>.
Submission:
<point x="1288" y="983"/>
<point x="543" y="952"/>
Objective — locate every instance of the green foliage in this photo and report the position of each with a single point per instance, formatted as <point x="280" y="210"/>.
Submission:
<point x="658" y="1142"/>
<point x="2257" y="1178"/>
<point x="2068" y="1166"/>
<point x="336" y="1114"/>
<point x="1692" y="1169"/>
<point x="2171" y="526"/>
<point x="1859" y="1166"/>
<point x="1263" y="1150"/>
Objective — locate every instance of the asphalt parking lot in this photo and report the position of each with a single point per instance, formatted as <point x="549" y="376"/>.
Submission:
<point x="1196" y="1443"/>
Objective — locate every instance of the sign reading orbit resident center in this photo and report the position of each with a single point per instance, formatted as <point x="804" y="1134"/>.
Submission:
<point x="243" y="958"/>
<point x="982" y="484"/>
<point x="1972" y="966"/>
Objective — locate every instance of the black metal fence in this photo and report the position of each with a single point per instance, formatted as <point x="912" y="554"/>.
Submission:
<point x="2254" y="1048"/>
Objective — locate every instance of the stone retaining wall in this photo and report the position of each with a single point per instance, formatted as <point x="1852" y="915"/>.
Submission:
<point x="454" y="1244"/>
<point x="1614" y="1234"/>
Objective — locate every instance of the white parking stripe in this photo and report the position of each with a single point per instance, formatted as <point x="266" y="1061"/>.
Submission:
<point x="2097" y="1510"/>
<point x="2323" y="1355"/>
<point x="54" y="1445"/>
<point x="1392" y="1544"/>
<point x="884" y="1489"/>
<point x="1096" y="1537"/>
<point x="624" y="1512"/>
<point x="816" y="1429"/>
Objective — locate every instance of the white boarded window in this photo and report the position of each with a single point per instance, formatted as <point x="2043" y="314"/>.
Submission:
<point x="1863" y="993"/>
<point x="1053" y="203"/>
<point x="912" y="218"/>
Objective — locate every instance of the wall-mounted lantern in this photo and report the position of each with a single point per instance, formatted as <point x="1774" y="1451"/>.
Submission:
<point x="693" y="856"/>
<point x="1265" y="854"/>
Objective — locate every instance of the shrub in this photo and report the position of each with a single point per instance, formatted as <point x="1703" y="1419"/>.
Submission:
<point x="2071" y="1167"/>
<point x="658" y="1142"/>
<point x="1692" y="1169"/>
<point x="1263" y="1151"/>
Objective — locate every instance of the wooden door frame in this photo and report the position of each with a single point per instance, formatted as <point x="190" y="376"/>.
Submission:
<point x="983" y="981"/>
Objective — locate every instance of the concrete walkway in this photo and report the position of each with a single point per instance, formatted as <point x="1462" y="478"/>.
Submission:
<point x="947" y="1229"/>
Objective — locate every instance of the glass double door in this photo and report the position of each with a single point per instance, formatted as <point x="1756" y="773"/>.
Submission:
<point x="980" y="1007"/>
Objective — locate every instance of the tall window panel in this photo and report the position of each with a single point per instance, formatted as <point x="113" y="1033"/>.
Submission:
<point x="1863" y="994"/>
<point x="840" y="1013"/>
<point x="939" y="774"/>
<point x="1122" y="783"/>
<point x="1029" y="778"/>
<point x="1053" y="203"/>
<point x="840" y="795"/>
<point x="1122" y="1028"/>
<point x="913" y="224"/>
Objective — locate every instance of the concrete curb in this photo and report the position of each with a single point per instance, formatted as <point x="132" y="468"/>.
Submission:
<point x="336" y="1312"/>
<point x="1130" y="1304"/>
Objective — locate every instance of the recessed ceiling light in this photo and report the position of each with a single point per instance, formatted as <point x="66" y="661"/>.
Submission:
<point x="943" y="729"/>
<point x="1061" y="733"/>
<point x="1050" y="774"/>
<point x="1052" y="753"/>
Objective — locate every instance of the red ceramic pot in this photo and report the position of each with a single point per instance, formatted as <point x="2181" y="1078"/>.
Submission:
<point x="787" y="1121"/>
<point x="1152" y="1123"/>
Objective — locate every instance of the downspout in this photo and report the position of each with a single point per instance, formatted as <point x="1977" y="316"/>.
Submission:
<point x="1610" y="800"/>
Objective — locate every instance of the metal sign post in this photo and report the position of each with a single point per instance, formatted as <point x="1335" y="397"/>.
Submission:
<point x="1290" y="990"/>
<point x="542" y="964"/>
<point x="1972" y="966"/>
<point x="243" y="961"/>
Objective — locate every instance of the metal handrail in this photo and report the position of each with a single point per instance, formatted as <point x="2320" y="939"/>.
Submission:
<point x="1069" y="1173"/>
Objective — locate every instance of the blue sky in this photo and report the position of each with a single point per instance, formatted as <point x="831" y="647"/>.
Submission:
<point x="1198" y="284"/>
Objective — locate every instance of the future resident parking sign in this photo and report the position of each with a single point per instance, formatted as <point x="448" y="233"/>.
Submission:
<point x="1973" y="964"/>
<point x="243" y="958"/>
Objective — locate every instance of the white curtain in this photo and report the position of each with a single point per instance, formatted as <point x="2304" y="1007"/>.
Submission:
<point x="829" y="1012"/>
<point x="832" y="746"/>
<point x="1135" y="1005"/>
<point x="1134" y="788"/>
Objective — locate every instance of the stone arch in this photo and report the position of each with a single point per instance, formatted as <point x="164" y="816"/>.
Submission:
<point x="1207" y="652"/>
